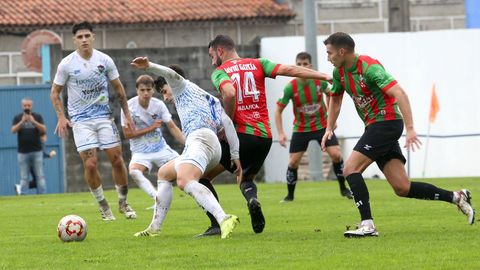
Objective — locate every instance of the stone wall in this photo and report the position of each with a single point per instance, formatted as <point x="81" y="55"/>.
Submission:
<point x="194" y="60"/>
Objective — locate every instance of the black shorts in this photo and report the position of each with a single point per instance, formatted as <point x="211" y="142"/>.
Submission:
<point x="253" y="151"/>
<point x="379" y="142"/>
<point x="300" y="140"/>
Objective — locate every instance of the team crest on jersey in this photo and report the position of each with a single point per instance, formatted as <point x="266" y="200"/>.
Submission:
<point x="319" y="89"/>
<point x="101" y="68"/>
<point x="155" y="116"/>
<point x="362" y="81"/>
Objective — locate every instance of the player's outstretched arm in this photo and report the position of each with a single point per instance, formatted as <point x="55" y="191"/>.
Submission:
<point x="411" y="140"/>
<point x="302" y="72"/>
<point x="176" y="132"/>
<point x="176" y="82"/>
<point x="63" y="123"/>
<point x="282" y="138"/>
<point x="122" y="99"/>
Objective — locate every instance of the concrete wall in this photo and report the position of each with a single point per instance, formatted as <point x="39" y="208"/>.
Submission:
<point x="194" y="60"/>
<point x="417" y="61"/>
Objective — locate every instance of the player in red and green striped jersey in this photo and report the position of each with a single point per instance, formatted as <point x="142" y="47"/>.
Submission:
<point x="241" y="81"/>
<point x="309" y="124"/>
<point x="383" y="106"/>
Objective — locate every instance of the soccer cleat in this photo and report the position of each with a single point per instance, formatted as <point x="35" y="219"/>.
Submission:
<point x="228" y="225"/>
<point x="287" y="199"/>
<point x="148" y="232"/>
<point x="345" y="192"/>
<point x="464" y="205"/>
<point x="258" y="220"/>
<point x="18" y="189"/>
<point x="361" y="231"/>
<point x="127" y="210"/>
<point x="211" y="231"/>
<point x="107" y="214"/>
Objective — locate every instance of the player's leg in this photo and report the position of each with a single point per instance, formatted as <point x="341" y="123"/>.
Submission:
<point x="253" y="151"/>
<point x="395" y="172"/>
<point x="163" y="198"/>
<point x="203" y="152"/>
<point x="37" y="166"/>
<point x="136" y="171"/>
<point x="292" y="175"/>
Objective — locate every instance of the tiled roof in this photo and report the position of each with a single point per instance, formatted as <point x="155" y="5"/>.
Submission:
<point x="21" y="13"/>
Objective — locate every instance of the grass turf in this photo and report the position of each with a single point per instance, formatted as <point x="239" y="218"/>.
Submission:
<point x="304" y="234"/>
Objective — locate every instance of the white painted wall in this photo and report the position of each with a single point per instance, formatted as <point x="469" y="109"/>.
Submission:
<point x="450" y="59"/>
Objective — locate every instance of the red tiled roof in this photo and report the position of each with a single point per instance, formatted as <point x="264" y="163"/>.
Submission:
<point x="21" y="13"/>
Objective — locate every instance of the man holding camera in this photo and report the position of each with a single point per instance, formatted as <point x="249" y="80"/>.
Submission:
<point x="29" y="128"/>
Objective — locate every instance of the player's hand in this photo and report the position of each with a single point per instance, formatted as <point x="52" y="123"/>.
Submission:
<point x="157" y="123"/>
<point x="140" y="63"/>
<point x="327" y="136"/>
<point x="238" y="171"/>
<point x="412" y="141"/>
<point x="282" y="139"/>
<point x="62" y="127"/>
<point x="329" y="78"/>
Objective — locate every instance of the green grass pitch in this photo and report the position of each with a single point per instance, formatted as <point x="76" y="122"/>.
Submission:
<point x="305" y="234"/>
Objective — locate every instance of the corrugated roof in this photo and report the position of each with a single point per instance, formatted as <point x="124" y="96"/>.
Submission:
<point x="25" y="13"/>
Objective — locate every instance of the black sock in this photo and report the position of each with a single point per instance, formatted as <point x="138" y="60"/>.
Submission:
<point x="360" y="194"/>
<point x="249" y="189"/>
<point x="426" y="191"/>
<point x="292" y="175"/>
<point x="208" y="184"/>
<point x="338" y="169"/>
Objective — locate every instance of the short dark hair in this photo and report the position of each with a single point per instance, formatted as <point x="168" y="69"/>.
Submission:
<point x="80" y="26"/>
<point x="304" y="55"/>
<point x="222" y="41"/>
<point x="160" y="82"/>
<point x="341" y="40"/>
<point x="145" y="80"/>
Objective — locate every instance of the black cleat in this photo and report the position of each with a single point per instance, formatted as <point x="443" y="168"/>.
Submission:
<point x="345" y="192"/>
<point x="258" y="220"/>
<point x="287" y="199"/>
<point x="211" y="231"/>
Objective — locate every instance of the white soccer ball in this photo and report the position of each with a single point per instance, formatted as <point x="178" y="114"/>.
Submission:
<point x="72" y="228"/>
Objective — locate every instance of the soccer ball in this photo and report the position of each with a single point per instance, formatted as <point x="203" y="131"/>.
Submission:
<point x="72" y="228"/>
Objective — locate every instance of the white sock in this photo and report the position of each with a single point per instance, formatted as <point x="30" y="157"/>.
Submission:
<point x="143" y="183"/>
<point x="98" y="193"/>
<point x="368" y="222"/>
<point x="163" y="199"/>
<point x="205" y="199"/>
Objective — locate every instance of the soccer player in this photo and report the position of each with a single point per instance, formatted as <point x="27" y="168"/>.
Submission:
<point x="86" y="73"/>
<point x="241" y="81"/>
<point x="309" y="124"/>
<point x="202" y="117"/>
<point x="384" y="108"/>
<point x="146" y="142"/>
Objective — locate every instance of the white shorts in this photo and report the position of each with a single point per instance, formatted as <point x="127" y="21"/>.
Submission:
<point x="96" y="133"/>
<point x="158" y="158"/>
<point x="202" y="149"/>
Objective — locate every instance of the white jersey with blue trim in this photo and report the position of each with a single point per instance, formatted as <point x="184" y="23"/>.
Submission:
<point x="87" y="84"/>
<point x="197" y="109"/>
<point x="153" y="141"/>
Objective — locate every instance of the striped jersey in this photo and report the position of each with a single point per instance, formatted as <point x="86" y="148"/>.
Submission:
<point x="87" y="84"/>
<point x="153" y="141"/>
<point x="367" y="82"/>
<point x="248" y="77"/>
<point x="308" y="105"/>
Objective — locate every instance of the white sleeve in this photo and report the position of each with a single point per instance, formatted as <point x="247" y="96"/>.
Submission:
<point x="112" y="71"/>
<point x="231" y="135"/>
<point x="176" y="82"/>
<point x="61" y="76"/>
<point x="122" y="118"/>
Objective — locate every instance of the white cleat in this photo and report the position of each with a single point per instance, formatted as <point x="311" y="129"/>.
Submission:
<point x="464" y="205"/>
<point x="127" y="210"/>
<point x="362" y="231"/>
<point x="107" y="214"/>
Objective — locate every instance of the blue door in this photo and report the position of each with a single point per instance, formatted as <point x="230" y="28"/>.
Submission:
<point x="10" y="105"/>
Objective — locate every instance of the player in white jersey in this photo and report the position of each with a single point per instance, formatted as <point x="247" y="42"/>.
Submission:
<point x="146" y="142"/>
<point x="86" y="73"/>
<point x="202" y="118"/>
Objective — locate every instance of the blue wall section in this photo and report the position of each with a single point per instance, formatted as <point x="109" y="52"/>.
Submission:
<point x="10" y="105"/>
<point x="472" y="13"/>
